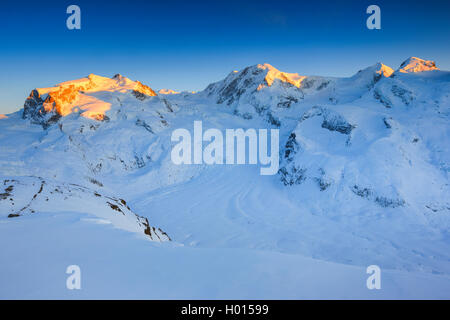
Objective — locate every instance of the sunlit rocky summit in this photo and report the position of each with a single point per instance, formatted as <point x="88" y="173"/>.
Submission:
<point x="363" y="180"/>
<point x="414" y="64"/>
<point x="47" y="105"/>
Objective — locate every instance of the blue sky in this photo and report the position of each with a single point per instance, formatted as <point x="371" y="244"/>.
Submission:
<point x="185" y="45"/>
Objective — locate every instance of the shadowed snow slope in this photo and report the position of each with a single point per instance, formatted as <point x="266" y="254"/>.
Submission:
<point x="363" y="180"/>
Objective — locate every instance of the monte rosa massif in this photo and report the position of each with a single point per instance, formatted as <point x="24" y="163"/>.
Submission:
<point x="86" y="179"/>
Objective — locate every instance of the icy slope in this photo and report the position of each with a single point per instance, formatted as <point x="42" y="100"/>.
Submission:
<point x="30" y="196"/>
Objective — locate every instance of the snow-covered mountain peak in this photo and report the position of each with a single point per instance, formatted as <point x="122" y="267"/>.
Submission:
<point x="273" y="73"/>
<point x="94" y="83"/>
<point x="414" y="64"/>
<point x="382" y="69"/>
<point x="84" y="96"/>
<point x="363" y="159"/>
<point x="167" y="91"/>
<point x="374" y="73"/>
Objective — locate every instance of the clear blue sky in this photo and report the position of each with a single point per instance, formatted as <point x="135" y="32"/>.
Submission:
<point x="185" y="45"/>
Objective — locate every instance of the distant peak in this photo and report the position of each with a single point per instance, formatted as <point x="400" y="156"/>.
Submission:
<point x="414" y="64"/>
<point x="266" y="66"/>
<point x="383" y="69"/>
<point x="167" y="91"/>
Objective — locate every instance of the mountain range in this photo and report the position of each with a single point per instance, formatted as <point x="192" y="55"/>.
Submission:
<point x="86" y="178"/>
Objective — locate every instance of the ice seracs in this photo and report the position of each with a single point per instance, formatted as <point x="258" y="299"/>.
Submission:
<point x="414" y="64"/>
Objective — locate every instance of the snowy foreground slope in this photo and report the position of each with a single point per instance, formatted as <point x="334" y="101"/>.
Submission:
<point x="86" y="179"/>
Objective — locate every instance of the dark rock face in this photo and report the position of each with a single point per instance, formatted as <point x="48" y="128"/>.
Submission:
<point x="139" y="95"/>
<point x="293" y="176"/>
<point x="33" y="105"/>
<point x="143" y="92"/>
<point x="292" y="171"/>
<point x="285" y="102"/>
<point x="46" y="107"/>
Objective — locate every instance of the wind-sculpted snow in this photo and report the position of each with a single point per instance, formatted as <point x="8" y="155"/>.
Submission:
<point x="363" y="176"/>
